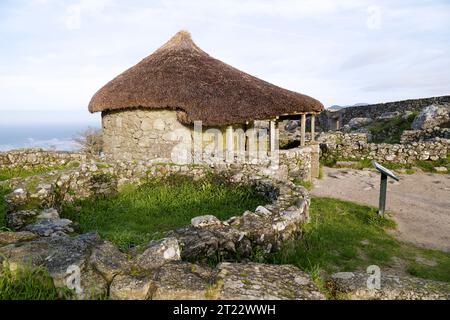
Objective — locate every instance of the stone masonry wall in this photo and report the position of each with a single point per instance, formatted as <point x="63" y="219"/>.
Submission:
<point x="144" y="134"/>
<point x="375" y="110"/>
<point x="409" y="136"/>
<point x="38" y="157"/>
<point x="338" y="145"/>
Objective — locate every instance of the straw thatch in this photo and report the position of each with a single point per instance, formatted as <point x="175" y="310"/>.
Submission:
<point x="181" y="76"/>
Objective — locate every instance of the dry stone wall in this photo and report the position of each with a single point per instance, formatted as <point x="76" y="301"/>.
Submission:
<point x="343" y="116"/>
<point x="344" y="146"/>
<point x="409" y="136"/>
<point x="37" y="157"/>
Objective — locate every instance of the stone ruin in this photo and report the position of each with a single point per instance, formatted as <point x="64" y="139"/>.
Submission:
<point x="165" y="269"/>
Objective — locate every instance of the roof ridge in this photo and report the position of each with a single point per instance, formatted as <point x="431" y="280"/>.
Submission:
<point x="181" y="40"/>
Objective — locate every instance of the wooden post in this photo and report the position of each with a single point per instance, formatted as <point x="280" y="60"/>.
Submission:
<point x="313" y="127"/>
<point x="272" y="134"/>
<point x="303" y="128"/>
<point x="230" y="144"/>
<point x="383" y="188"/>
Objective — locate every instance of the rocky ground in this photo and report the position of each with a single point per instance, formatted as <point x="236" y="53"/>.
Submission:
<point x="420" y="203"/>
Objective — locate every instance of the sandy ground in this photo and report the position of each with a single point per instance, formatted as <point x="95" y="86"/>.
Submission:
<point x="420" y="203"/>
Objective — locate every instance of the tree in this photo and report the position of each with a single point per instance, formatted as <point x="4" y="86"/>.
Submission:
<point x="90" y="140"/>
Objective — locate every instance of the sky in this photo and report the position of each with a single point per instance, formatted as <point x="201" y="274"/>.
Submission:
<point x="54" y="55"/>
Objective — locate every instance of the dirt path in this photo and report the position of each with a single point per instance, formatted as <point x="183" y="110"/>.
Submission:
<point x="420" y="202"/>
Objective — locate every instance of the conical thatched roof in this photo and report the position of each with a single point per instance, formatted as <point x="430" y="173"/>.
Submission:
<point x="181" y="76"/>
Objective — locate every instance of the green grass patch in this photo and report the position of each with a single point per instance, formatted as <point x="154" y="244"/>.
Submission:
<point x="4" y="190"/>
<point x="16" y="172"/>
<point x="28" y="283"/>
<point x="140" y="214"/>
<point x="345" y="236"/>
<point x="390" y="130"/>
<point x="307" y="184"/>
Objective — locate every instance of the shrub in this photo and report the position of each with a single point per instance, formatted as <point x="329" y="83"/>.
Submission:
<point x="90" y="140"/>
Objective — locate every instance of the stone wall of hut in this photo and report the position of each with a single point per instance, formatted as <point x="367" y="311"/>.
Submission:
<point x="140" y="134"/>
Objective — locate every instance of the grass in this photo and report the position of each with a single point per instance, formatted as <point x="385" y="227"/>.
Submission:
<point x="9" y="173"/>
<point x="28" y="283"/>
<point x="425" y="165"/>
<point x="304" y="183"/>
<point x="345" y="236"/>
<point x="138" y="215"/>
<point x="4" y="190"/>
<point x="390" y="130"/>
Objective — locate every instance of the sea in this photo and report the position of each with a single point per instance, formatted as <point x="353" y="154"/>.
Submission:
<point x="45" y="136"/>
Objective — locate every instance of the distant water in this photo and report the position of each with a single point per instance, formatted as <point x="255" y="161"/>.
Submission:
<point x="46" y="136"/>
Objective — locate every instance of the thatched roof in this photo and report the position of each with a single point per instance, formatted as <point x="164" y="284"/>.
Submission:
<point x="181" y="76"/>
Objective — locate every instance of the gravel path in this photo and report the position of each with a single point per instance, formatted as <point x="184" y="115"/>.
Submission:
<point x="420" y="202"/>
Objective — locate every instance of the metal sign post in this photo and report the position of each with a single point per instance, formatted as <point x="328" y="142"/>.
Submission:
<point x="385" y="173"/>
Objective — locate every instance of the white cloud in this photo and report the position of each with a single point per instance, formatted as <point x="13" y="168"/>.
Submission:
<point x="373" y="21"/>
<point x="73" y="18"/>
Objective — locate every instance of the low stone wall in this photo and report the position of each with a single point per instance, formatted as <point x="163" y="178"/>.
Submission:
<point x="327" y="120"/>
<point x="37" y="157"/>
<point x="288" y="208"/>
<point x="33" y="213"/>
<point x="337" y="145"/>
<point x="409" y="136"/>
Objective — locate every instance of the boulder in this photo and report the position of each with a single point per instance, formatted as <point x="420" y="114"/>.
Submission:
<point x="391" y="287"/>
<point x="356" y="123"/>
<point x="432" y="116"/>
<point x="182" y="281"/>
<point x="52" y="227"/>
<point x="127" y="287"/>
<point x="203" y="221"/>
<point x="19" y="219"/>
<point x="389" y="115"/>
<point x="8" y="237"/>
<point x="255" y="281"/>
<point x="292" y="125"/>
<point x="66" y="259"/>
<point x="109" y="261"/>
<point x="158" y="253"/>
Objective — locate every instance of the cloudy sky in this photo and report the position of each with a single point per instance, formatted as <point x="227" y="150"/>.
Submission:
<point x="56" y="54"/>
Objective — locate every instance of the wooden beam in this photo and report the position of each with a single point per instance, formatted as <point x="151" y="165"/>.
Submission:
<point x="272" y="135"/>
<point x="313" y="125"/>
<point x="230" y="144"/>
<point x="303" y="130"/>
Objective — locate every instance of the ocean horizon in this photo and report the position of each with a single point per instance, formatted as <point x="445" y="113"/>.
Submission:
<point x="46" y="136"/>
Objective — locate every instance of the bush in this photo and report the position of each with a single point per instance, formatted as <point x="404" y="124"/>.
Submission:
<point x="90" y="140"/>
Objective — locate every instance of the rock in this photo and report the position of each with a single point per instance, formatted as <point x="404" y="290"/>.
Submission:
<point x="8" y="237"/>
<point x="254" y="281"/>
<point x="182" y="281"/>
<point x="159" y="253"/>
<point x="432" y="116"/>
<point x="50" y="213"/>
<point x="202" y="221"/>
<point x="263" y="211"/>
<point x="440" y="169"/>
<point x="391" y="287"/>
<point x="52" y="227"/>
<point x="66" y="259"/>
<point x="17" y="220"/>
<point x="109" y="261"/>
<point x="127" y="287"/>
<point x="291" y="125"/>
<point x="389" y="115"/>
<point x="356" y="123"/>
